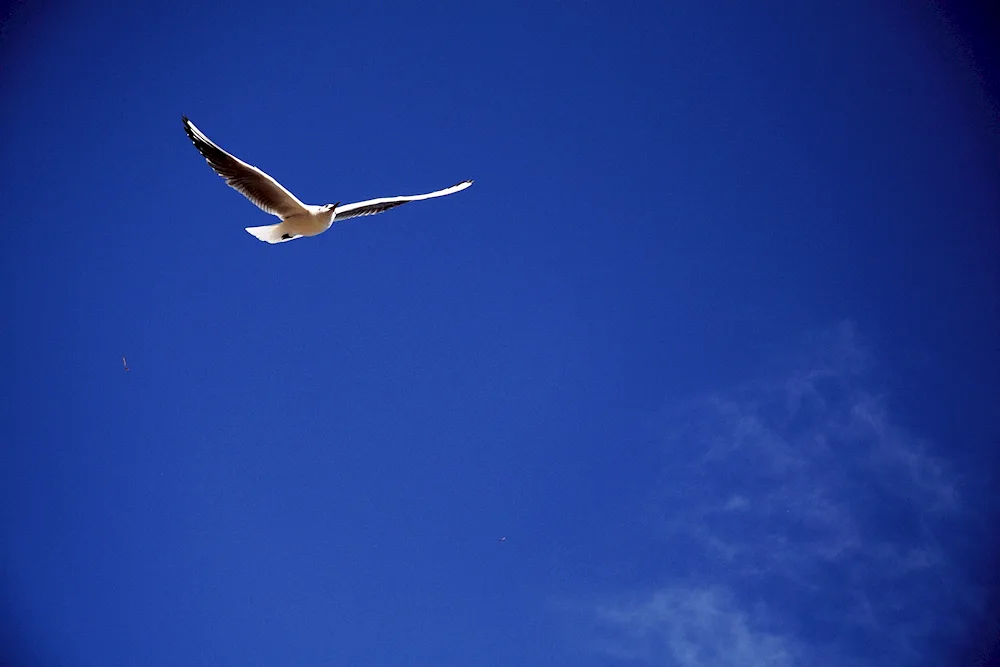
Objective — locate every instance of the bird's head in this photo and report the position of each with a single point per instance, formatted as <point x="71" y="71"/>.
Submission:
<point x="330" y="207"/>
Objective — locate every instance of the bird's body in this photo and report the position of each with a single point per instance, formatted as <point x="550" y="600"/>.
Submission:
<point x="314" y="220"/>
<point x="297" y="219"/>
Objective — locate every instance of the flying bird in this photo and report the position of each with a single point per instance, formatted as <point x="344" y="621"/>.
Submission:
<point x="502" y="539"/>
<point x="297" y="219"/>
<point x="125" y="363"/>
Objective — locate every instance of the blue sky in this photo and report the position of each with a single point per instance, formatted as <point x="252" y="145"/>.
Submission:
<point x="711" y="340"/>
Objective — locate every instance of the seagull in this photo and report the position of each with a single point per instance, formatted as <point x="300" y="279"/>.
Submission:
<point x="125" y="363"/>
<point x="297" y="219"/>
<point x="502" y="539"/>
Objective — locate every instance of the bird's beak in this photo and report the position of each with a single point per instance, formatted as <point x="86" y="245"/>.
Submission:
<point x="336" y="205"/>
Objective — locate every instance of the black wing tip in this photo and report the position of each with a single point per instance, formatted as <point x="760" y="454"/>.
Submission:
<point x="198" y="141"/>
<point x="188" y="128"/>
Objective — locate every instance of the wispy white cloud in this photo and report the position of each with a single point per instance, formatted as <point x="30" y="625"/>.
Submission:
<point x="800" y="498"/>
<point x="692" y="627"/>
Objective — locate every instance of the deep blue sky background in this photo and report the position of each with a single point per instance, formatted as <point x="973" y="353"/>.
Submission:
<point x="719" y="261"/>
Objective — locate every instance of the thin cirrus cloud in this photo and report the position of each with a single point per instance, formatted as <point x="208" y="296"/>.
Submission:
<point x="812" y="528"/>
<point x="689" y="626"/>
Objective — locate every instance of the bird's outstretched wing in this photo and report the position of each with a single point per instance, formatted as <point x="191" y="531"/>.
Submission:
<point x="248" y="180"/>
<point x="373" y="206"/>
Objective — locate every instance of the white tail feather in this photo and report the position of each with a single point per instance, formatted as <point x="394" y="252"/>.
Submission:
<point x="269" y="233"/>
